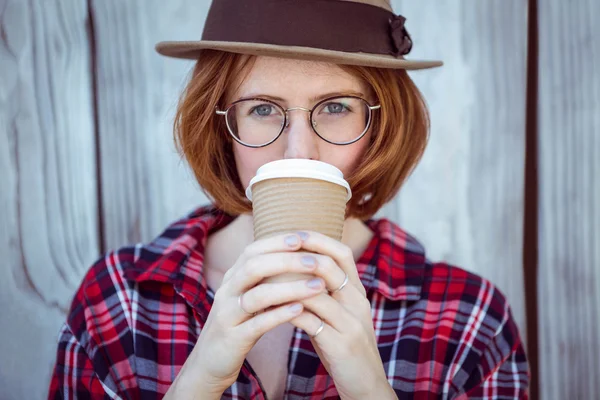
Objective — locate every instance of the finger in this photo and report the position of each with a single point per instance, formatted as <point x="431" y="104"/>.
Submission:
<point x="334" y="277"/>
<point x="355" y="303"/>
<point x="267" y="295"/>
<point x="284" y="242"/>
<point x="327" y="269"/>
<point x="264" y="266"/>
<point x="261" y="323"/>
<point x="310" y="324"/>
<point x="332" y="312"/>
<point x="279" y="243"/>
<point x="339" y="252"/>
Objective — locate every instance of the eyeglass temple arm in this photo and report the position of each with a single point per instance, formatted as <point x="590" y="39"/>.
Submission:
<point x="377" y="107"/>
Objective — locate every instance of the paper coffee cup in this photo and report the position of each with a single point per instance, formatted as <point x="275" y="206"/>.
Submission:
<point x="298" y="195"/>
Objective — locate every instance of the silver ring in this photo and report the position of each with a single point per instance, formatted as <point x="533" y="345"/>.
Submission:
<point x="241" y="307"/>
<point x="342" y="285"/>
<point x="320" y="329"/>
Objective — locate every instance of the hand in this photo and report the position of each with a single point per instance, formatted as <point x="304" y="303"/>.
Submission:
<point x="346" y="345"/>
<point x="231" y="331"/>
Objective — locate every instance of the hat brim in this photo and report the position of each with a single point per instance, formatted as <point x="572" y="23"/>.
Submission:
<point x="191" y="50"/>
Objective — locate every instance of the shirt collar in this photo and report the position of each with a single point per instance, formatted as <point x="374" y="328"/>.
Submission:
<point x="393" y="263"/>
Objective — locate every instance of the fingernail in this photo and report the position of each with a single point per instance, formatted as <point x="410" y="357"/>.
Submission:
<point x="308" y="261"/>
<point x="316" y="283"/>
<point x="291" y="240"/>
<point x="295" y="308"/>
<point x="303" y="235"/>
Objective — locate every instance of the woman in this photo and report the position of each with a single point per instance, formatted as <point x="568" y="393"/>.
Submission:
<point x="188" y="315"/>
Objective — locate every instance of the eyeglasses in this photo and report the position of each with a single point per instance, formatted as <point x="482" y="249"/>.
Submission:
<point x="259" y="122"/>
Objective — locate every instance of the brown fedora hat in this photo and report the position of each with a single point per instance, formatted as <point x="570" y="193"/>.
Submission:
<point x="356" y="32"/>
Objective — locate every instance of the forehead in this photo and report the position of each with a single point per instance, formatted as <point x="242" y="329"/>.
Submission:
<point x="291" y="78"/>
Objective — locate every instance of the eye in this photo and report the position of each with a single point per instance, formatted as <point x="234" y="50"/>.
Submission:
<point x="262" y="110"/>
<point x="335" y="108"/>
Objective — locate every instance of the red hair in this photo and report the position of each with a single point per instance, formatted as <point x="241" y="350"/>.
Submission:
<point x="399" y="134"/>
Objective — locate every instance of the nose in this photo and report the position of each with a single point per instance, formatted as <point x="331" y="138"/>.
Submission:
<point x="301" y="140"/>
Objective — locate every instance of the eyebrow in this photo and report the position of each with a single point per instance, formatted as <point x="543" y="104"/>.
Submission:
<point x="313" y="99"/>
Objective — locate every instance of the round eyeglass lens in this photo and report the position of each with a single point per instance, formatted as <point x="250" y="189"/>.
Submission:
<point x="341" y="119"/>
<point x="255" y="122"/>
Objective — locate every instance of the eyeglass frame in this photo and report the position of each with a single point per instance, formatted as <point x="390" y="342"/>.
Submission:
<point x="286" y="121"/>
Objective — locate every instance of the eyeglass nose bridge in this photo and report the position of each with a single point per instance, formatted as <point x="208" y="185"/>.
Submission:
<point x="287" y="117"/>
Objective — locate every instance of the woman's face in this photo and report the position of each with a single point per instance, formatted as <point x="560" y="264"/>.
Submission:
<point x="297" y="84"/>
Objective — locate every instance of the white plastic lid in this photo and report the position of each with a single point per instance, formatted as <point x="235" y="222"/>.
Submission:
<point x="299" y="168"/>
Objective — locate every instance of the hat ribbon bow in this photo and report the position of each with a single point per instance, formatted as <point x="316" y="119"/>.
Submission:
<point x="400" y="37"/>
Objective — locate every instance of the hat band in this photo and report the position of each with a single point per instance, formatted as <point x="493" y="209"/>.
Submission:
<point x="325" y="24"/>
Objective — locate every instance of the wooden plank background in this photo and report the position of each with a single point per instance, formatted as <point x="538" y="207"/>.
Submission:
<point x="569" y="238"/>
<point x="465" y="199"/>
<point x="144" y="183"/>
<point x="87" y="161"/>
<point x="48" y="200"/>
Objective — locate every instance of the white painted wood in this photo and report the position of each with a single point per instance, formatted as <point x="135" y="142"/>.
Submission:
<point x="48" y="207"/>
<point x="465" y="200"/>
<point x="145" y="184"/>
<point x="569" y="236"/>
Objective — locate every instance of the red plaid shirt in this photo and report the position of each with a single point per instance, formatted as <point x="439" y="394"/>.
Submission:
<point x="442" y="332"/>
